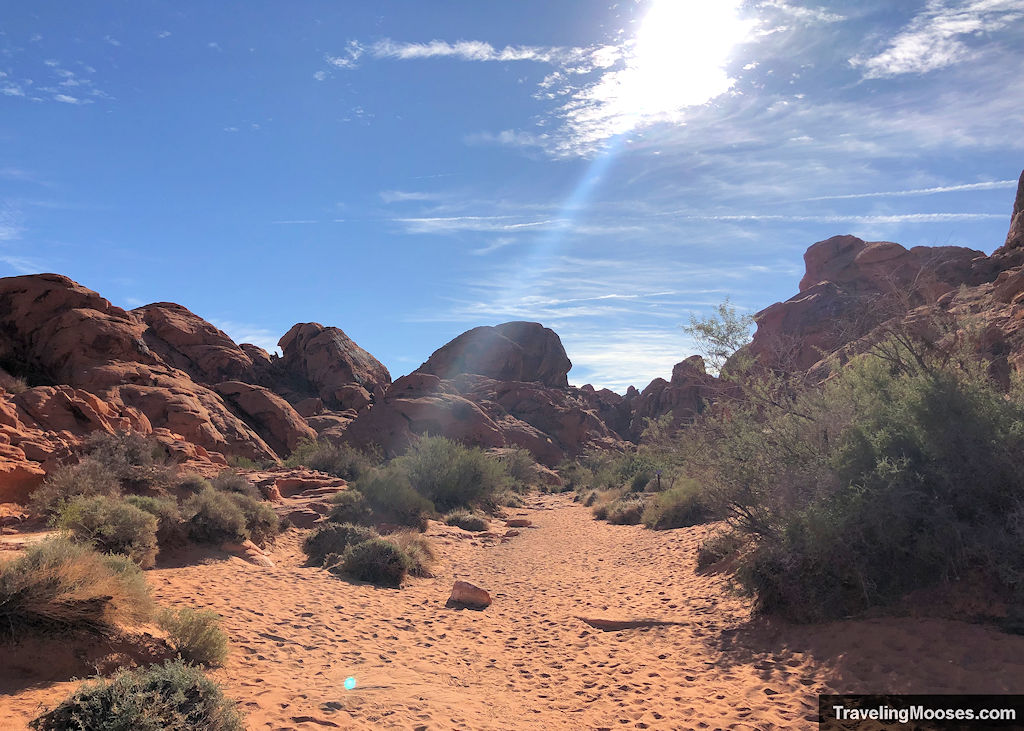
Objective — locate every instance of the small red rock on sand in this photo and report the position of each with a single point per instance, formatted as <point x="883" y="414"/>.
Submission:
<point x="518" y="523"/>
<point x="466" y="595"/>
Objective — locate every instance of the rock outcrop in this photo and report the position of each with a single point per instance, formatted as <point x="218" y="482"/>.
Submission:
<point x="685" y="396"/>
<point x="516" y="395"/>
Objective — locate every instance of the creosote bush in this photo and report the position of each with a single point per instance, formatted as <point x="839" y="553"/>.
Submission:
<point x="174" y="696"/>
<point x="679" y="506"/>
<point x="521" y="468"/>
<point x="350" y="506"/>
<point x="341" y="461"/>
<point x="419" y="550"/>
<point x="392" y="499"/>
<point x="195" y="634"/>
<point x="65" y="587"/>
<point x="231" y="481"/>
<point x="334" y="538"/>
<point x="191" y="483"/>
<point x="627" y="510"/>
<point x="451" y="475"/>
<point x="378" y="561"/>
<point x="170" y="528"/>
<point x="467" y="520"/>
<point x="88" y="478"/>
<point x="717" y="548"/>
<point x="111" y="525"/>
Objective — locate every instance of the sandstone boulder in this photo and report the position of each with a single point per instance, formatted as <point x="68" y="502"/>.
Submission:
<point x="468" y="596"/>
<point x="273" y="417"/>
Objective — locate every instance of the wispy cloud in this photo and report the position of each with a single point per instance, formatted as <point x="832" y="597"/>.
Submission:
<point x="988" y="185"/>
<point x="243" y="332"/>
<point x="404" y="196"/>
<point x="938" y="36"/>
<point x="842" y="218"/>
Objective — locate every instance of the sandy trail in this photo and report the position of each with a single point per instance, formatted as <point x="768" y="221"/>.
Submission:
<point x="528" y="661"/>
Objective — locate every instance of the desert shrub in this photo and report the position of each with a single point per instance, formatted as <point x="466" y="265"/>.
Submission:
<point x="521" y="468"/>
<point x="466" y="520"/>
<point x="195" y="634"/>
<point x="419" y="550"/>
<point x="13" y="384"/>
<point x="508" y="499"/>
<point x="627" y="510"/>
<point x="378" y="561"/>
<point x="678" y="507"/>
<point x="61" y="586"/>
<point x="88" y="478"/>
<point x="215" y="517"/>
<point x="893" y="476"/>
<point x="334" y="538"/>
<point x="342" y="460"/>
<point x="135" y="458"/>
<point x="174" y="696"/>
<point x="190" y="483"/>
<point x="638" y="483"/>
<point x="392" y="498"/>
<point x="350" y="506"/>
<point x="590" y="499"/>
<point x="231" y="481"/>
<point x="718" y="547"/>
<point x="451" y="475"/>
<point x="261" y="522"/>
<point x="600" y="512"/>
<point x="575" y="476"/>
<point x="170" y="529"/>
<point x="111" y="525"/>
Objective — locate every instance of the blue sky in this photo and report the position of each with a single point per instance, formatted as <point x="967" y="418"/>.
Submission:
<point x="409" y="170"/>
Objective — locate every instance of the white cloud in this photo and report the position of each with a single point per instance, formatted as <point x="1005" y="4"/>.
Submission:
<point x="988" y="185"/>
<point x="68" y="99"/>
<point x="403" y="196"/>
<point x="242" y="332"/>
<point x="935" y="38"/>
<point x="806" y="14"/>
<point x="837" y="218"/>
<point x="22" y="265"/>
<point x="349" y="58"/>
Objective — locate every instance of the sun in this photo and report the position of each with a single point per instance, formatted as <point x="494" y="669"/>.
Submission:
<point x="678" y="58"/>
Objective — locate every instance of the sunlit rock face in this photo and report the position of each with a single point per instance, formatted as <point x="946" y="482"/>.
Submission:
<point x="513" y="351"/>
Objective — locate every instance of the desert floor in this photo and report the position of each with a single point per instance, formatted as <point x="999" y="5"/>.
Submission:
<point x="528" y="661"/>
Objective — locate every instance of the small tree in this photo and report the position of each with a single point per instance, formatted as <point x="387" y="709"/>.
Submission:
<point x="720" y="335"/>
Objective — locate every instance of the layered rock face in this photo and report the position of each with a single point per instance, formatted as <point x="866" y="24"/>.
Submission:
<point x="503" y="386"/>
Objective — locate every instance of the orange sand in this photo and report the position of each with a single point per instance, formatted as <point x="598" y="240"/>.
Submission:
<point x="528" y="661"/>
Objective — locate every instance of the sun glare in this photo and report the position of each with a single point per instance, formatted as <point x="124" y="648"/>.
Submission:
<point x="679" y="58"/>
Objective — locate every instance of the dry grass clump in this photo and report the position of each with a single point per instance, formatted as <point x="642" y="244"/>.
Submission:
<point x="174" y="696"/>
<point x="467" y="520"/>
<point x="195" y="634"/>
<point x="61" y="586"/>
<point x="419" y="550"/>
<point x="679" y="506"/>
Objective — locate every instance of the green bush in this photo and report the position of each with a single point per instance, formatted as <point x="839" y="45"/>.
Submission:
<point x="893" y="476"/>
<point x="60" y="586"/>
<point x="466" y="520"/>
<point x="639" y="481"/>
<point x="521" y="468"/>
<point x="88" y="478"/>
<point x="575" y="476"/>
<point x="378" y="561"/>
<point x="392" y="498"/>
<point x="679" y="506"/>
<point x="135" y="458"/>
<point x="215" y="517"/>
<point x="231" y="481"/>
<point x="170" y="529"/>
<point x="111" y="525"/>
<point x="341" y="461"/>
<point x="334" y="538"/>
<point x="590" y="499"/>
<point x="349" y="506"/>
<point x="191" y="483"/>
<point x="195" y="634"/>
<point x="601" y="511"/>
<point x="451" y="475"/>
<point x="261" y="522"/>
<point x="174" y="696"/>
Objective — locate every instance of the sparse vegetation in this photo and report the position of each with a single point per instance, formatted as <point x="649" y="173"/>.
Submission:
<point x="195" y="634"/>
<point x="60" y="586"/>
<point x="341" y="461"/>
<point x="111" y="525"/>
<point x="717" y="548"/>
<point x="451" y="475"/>
<point x="521" y="468"/>
<point x="419" y="550"/>
<point x="231" y="481"/>
<point x="627" y="510"/>
<point x="170" y="529"/>
<point x="334" y="538"/>
<point x="191" y="483"/>
<point x="174" y="696"/>
<point x="466" y="520"/>
<point x="350" y="506"/>
<point x="88" y="478"/>
<point x="261" y="522"/>
<point x="378" y="561"/>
